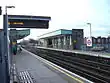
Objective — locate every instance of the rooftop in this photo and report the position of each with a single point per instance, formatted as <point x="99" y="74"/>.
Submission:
<point x="56" y="32"/>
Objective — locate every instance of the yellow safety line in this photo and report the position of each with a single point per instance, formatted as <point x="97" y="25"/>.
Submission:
<point x="74" y="78"/>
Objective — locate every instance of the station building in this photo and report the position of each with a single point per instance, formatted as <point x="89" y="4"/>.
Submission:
<point x="73" y="40"/>
<point x="63" y="39"/>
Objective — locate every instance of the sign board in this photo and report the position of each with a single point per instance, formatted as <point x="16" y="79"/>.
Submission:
<point x="89" y="41"/>
<point x="23" y="21"/>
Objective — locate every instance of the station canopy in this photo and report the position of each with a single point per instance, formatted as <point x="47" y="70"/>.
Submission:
<point x="19" y="34"/>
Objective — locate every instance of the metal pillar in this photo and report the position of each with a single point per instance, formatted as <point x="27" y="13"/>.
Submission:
<point x="70" y="40"/>
<point x="90" y="30"/>
<point x="64" y="40"/>
<point x="6" y="47"/>
<point x="59" y="43"/>
<point x="53" y="42"/>
<point x="3" y="77"/>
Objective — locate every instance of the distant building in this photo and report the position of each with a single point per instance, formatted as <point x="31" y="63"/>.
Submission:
<point x="63" y="39"/>
<point x="98" y="44"/>
<point x="73" y="40"/>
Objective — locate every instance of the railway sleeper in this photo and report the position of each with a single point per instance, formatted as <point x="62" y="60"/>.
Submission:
<point x="92" y="63"/>
<point x="88" y="67"/>
<point x="97" y="70"/>
<point x="96" y="77"/>
<point x="69" y="63"/>
<point x="84" y="65"/>
<point x="107" y="67"/>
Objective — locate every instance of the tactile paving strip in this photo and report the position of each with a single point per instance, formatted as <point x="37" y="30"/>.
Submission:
<point x="24" y="77"/>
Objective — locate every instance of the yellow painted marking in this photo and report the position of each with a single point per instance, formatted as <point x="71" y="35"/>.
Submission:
<point x="20" y="23"/>
<point x="13" y="43"/>
<point x="74" y="78"/>
<point x="74" y="41"/>
<point x="9" y="23"/>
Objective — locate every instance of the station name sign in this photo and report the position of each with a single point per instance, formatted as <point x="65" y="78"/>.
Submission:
<point x="23" y="21"/>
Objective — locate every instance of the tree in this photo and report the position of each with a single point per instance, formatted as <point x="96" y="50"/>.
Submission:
<point x="33" y="41"/>
<point x="24" y="42"/>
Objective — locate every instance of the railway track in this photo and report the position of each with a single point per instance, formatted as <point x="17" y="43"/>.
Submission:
<point x="76" y="69"/>
<point x="94" y="71"/>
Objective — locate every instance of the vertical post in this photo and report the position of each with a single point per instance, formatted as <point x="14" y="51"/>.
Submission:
<point x="70" y="40"/>
<point x="64" y="45"/>
<point x="52" y="42"/>
<point x="3" y="77"/>
<point x="64" y="40"/>
<point x="90" y="39"/>
<point x="6" y="47"/>
<point x="90" y="31"/>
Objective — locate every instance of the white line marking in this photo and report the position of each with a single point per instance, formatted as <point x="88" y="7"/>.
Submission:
<point x="68" y="73"/>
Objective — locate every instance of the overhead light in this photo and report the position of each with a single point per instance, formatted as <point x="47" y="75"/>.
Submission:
<point x="10" y="6"/>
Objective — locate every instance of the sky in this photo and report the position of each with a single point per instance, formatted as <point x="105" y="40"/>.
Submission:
<point x="65" y="14"/>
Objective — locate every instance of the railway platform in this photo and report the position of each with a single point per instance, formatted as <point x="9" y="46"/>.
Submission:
<point x="39" y="70"/>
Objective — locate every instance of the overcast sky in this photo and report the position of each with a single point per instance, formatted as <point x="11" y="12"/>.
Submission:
<point x="66" y="14"/>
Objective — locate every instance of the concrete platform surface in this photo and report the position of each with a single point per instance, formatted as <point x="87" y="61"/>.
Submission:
<point x="39" y="71"/>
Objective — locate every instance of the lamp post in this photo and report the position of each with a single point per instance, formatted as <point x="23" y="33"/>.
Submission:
<point x="8" y="7"/>
<point x="6" y="44"/>
<point x="90" y="29"/>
